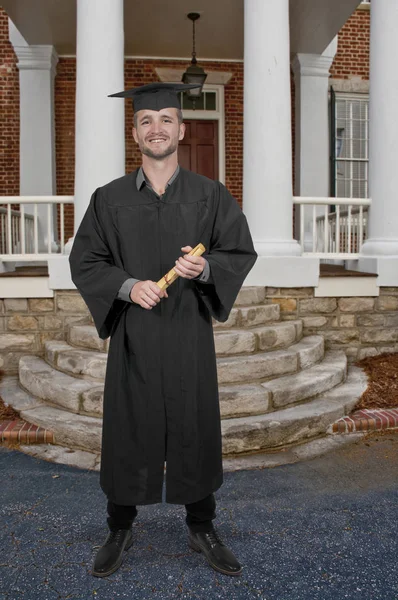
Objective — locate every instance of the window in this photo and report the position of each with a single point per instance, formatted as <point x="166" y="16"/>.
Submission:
<point x="206" y="101"/>
<point x="350" y="145"/>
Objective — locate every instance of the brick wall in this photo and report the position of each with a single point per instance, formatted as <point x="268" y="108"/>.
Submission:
<point x="9" y="114"/>
<point x="352" y="57"/>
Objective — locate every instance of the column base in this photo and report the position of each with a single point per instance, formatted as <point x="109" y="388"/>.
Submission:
<point x="59" y="273"/>
<point x="376" y="247"/>
<point x="284" y="271"/>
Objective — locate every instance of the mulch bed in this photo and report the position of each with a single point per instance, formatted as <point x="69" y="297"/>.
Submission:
<point x="382" y="391"/>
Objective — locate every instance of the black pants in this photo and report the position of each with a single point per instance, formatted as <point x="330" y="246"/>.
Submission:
<point x="199" y="515"/>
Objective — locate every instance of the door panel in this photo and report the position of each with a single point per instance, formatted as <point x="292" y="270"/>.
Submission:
<point x="198" y="151"/>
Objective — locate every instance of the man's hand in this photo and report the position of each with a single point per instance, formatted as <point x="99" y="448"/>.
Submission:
<point x="147" y="294"/>
<point x="189" y="266"/>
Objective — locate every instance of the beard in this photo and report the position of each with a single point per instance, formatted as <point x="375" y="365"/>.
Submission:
<point x="160" y="154"/>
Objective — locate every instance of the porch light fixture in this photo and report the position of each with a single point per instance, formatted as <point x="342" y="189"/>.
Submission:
<point x="194" y="73"/>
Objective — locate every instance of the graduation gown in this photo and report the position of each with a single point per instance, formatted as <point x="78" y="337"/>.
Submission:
<point x="161" y="394"/>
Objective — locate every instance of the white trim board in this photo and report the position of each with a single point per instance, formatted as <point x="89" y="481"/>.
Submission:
<point x="343" y="287"/>
<point x="25" y="287"/>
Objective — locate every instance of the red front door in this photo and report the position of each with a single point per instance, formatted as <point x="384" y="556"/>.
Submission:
<point x="198" y="151"/>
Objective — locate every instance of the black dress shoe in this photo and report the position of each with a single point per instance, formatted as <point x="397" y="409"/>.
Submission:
<point x="218" y="555"/>
<point x="110" y="556"/>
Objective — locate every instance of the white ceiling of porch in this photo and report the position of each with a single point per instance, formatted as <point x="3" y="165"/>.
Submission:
<point x="161" y="29"/>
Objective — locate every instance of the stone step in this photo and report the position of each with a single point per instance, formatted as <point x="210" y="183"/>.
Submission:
<point x="264" y="337"/>
<point x="76" y="361"/>
<point x="241" y="436"/>
<point x="256" y="399"/>
<point x="250" y="295"/>
<point x="268" y="365"/>
<point x="291" y="425"/>
<point x="309" y="382"/>
<point x="72" y="430"/>
<point x="85" y="336"/>
<point x="46" y="383"/>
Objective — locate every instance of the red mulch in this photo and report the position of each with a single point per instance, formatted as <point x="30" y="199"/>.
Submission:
<point x="6" y="412"/>
<point x="382" y="391"/>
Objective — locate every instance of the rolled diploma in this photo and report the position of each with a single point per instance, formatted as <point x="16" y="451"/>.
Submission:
<point x="172" y="275"/>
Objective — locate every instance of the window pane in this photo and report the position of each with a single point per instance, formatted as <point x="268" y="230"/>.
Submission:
<point x="210" y="101"/>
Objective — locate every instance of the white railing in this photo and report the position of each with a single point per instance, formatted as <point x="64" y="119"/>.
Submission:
<point x="23" y="230"/>
<point x="338" y="234"/>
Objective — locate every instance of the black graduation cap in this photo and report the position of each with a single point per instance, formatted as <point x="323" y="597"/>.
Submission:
<point x="155" y="96"/>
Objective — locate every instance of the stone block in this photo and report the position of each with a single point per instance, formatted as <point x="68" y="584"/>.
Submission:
<point x="18" y="342"/>
<point x="71" y="303"/>
<point x="390" y="320"/>
<point x="11" y="362"/>
<point x="376" y="336"/>
<point x="2" y="324"/>
<point x="347" y="320"/>
<point x="22" y="323"/>
<point x="316" y="322"/>
<point x="307" y="292"/>
<point x="373" y="320"/>
<point x="16" y="305"/>
<point x="387" y="303"/>
<point x="1" y="306"/>
<point x="232" y="320"/>
<point x="250" y="295"/>
<point x="41" y="304"/>
<point x="51" y="322"/>
<point x="356" y="305"/>
<point x="317" y="305"/>
<point x="277" y="336"/>
<point x="92" y="401"/>
<point x="234" y="342"/>
<point x="367" y="352"/>
<point x="51" y="335"/>
<point x="271" y="291"/>
<point x="257" y="315"/>
<point x="286" y="304"/>
<point x="241" y="400"/>
<point x="341" y="336"/>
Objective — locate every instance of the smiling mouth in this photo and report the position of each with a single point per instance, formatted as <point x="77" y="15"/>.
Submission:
<point x="157" y="140"/>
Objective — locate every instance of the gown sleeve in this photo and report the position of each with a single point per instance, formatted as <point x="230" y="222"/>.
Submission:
<point x="231" y="255"/>
<point x="93" y="267"/>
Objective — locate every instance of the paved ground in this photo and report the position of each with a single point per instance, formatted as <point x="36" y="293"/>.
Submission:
<point x="325" y="529"/>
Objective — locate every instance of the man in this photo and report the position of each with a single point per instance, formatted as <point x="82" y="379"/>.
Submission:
<point x="161" y="394"/>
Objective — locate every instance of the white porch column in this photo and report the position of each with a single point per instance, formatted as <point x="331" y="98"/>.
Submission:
<point x="383" y="145"/>
<point x="100" y="147"/>
<point x="99" y="121"/>
<point x="267" y="182"/>
<point x="37" y="69"/>
<point x="312" y="156"/>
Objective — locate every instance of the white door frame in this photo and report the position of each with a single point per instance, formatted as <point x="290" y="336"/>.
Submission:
<point x="213" y="115"/>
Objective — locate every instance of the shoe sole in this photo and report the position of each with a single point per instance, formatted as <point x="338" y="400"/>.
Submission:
<point x="115" y="567"/>
<point x="199" y="549"/>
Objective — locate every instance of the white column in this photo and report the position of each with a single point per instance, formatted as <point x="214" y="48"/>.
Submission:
<point x="267" y="181"/>
<point x="37" y="69"/>
<point x="100" y="147"/>
<point x="312" y="141"/>
<point x="380" y="252"/>
<point x="99" y="120"/>
<point x="383" y="131"/>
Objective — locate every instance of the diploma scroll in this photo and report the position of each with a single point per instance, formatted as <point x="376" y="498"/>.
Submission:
<point x="172" y="275"/>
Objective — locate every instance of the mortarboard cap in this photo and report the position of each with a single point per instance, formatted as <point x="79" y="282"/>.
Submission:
<point x="155" y="96"/>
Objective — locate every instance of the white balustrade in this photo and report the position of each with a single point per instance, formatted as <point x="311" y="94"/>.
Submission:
<point x="19" y="230"/>
<point x="337" y="234"/>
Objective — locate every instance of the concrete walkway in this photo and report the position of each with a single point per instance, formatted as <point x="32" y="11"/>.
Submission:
<point x="325" y="529"/>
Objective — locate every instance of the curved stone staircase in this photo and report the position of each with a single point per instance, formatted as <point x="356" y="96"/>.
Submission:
<point x="277" y="388"/>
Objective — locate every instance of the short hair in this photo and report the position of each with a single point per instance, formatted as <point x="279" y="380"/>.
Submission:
<point x="179" y="117"/>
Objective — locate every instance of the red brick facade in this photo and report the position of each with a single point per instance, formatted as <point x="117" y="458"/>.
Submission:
<point x="9" y="114"/>
<point x="352" y="58"/>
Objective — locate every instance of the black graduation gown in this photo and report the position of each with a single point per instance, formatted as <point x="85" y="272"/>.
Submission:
<point x="161" y="394"/>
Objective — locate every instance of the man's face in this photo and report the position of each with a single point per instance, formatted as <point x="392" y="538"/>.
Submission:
<point x="158" y="132"/>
